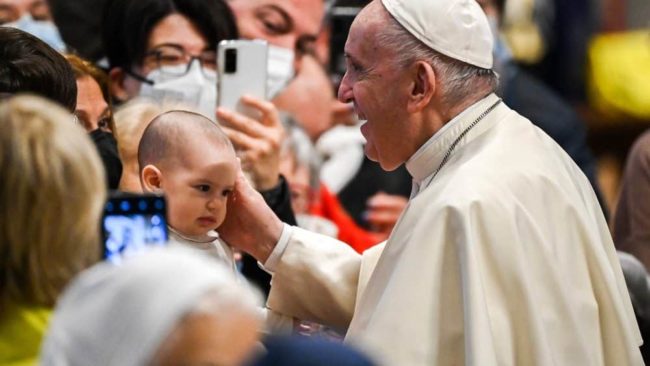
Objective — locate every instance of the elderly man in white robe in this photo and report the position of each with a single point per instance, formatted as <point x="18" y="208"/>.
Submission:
<point x="502" y="255"/>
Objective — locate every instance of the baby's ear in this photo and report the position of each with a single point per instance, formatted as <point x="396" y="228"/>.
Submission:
<point x="151" y="179"/>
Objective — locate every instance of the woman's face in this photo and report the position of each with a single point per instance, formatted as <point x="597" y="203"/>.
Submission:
<point x="174" y="31"/>
<point x="92" y="110"/>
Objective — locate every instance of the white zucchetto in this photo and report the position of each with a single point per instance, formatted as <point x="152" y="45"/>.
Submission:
<point x="456" y="28"/>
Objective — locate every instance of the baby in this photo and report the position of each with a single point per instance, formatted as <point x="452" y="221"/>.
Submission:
<point x="189" y="158"/>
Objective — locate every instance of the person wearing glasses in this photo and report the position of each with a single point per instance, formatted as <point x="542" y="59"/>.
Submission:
<point x="166" y="50"/>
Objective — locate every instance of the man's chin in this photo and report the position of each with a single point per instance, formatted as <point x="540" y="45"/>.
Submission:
<point x="389" y="167"/>
<point x="385" y="165"/>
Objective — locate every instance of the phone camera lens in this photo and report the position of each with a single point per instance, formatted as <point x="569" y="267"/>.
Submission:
<point x="125" y="206"/>
<point x="231" y="61"/>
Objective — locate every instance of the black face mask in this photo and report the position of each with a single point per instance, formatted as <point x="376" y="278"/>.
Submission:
<point x="107" y="148"/>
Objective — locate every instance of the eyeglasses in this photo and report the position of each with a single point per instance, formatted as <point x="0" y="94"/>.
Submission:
<point x="164" y="57"/>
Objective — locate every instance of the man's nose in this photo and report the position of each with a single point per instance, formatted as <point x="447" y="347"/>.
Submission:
<point x="345" y="90"/>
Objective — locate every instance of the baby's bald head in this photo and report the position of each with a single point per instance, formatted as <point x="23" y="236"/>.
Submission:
<point x="167" y="137"/>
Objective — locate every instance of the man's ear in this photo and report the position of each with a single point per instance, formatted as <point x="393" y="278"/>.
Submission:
<point x="151" y="179"/>
<point x="117" y="78"/>
<point x="423" y="86"/>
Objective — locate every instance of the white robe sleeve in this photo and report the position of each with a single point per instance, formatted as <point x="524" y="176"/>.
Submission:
<point x="316" y="279"/>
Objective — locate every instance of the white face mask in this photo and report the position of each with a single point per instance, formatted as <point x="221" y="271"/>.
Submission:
<point x="280" y="70"/>
<point x="196" y="89"/>
<point x="45" y="30"/>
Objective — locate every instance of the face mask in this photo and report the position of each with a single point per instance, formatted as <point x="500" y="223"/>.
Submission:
<point x="196" y="89"/>
<point x="107" y="148"/>
<point x="45" y="30"/>
<point x="280" y="70"/>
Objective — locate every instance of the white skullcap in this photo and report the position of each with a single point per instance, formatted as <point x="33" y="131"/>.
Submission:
<point x="119" y="315"/>
<point x="456" y="28"/>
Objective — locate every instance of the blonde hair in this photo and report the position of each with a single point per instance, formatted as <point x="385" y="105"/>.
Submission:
<point x="51" y="199"/>
<point x="131" y="120"/>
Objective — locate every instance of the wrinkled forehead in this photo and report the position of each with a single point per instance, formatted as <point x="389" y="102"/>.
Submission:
<point x="367" y="24"/>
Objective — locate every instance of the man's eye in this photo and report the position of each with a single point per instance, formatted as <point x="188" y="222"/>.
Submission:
<point x="272" y="28"/>
<point x="306" y="46"/>
<point x="273" y="22"/>
<point x="354" y="67"/>
<point x="203" y="188"/>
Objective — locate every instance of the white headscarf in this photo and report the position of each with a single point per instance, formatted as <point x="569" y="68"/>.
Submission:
<point x="119" y="315"/>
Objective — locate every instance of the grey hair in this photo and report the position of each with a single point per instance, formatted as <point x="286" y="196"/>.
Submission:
<point x="460" y="81"/>
<point x="300" y="146"/>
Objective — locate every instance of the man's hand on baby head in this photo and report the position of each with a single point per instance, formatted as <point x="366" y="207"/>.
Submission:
<point x="258" y="142"/>
<point x="250" y="224"/>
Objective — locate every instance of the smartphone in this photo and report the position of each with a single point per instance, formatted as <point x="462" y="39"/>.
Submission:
<point x="132" y="223"/>
<point x="242" y="66"/>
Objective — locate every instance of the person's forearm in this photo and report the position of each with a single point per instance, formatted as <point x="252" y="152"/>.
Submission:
<point x="267" y="243"/>
<point x="316" y="279"/>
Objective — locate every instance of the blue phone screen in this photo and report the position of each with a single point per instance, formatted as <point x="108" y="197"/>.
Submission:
<point x="133" y="225"/>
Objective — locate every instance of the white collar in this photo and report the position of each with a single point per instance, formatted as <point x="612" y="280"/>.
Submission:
<point x="428" y="157"/>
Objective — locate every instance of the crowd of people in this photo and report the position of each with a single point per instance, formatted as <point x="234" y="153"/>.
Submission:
<point x="441" y="207"/>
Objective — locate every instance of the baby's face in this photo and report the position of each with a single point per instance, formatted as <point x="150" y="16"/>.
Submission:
<point x="197" y="189"/>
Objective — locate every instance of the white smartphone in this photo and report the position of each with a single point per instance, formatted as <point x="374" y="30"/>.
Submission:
<point x="242" y="70"/>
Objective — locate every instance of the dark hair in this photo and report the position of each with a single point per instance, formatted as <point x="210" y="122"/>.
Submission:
<point x="29" y="65"/>
<point x="128" y="23"/>
<point x="81" y="68"/>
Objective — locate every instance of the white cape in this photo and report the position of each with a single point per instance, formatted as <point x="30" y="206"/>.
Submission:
<point x="504" y="258"/>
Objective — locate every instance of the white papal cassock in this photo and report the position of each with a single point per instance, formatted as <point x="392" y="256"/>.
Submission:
<point x="503" y="258"/>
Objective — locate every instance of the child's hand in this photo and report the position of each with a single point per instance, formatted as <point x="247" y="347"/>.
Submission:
<point x="258" y="142"/>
